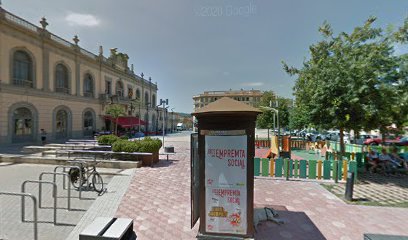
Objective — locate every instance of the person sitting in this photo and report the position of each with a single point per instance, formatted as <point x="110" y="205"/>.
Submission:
<point x="397" y="159"/>
<point x="385" y="161"/>
<point x="372" y="159"/>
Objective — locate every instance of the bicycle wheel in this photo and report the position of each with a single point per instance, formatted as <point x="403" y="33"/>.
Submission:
<point x="97" y="182"/>
<point x="74" y="177"/>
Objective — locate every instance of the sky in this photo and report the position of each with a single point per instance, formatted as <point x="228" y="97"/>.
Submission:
<point x="192" y="46"/>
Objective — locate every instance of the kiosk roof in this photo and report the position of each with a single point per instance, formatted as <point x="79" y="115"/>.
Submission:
<point x="226" y="105"/>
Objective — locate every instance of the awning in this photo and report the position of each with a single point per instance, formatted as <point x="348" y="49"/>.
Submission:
<point x="127" y="122"/>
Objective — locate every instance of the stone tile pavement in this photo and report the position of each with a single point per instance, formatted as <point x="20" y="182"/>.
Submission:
<point x="158" y="199"/>
<point x="11" y="227"/>
<point x="378" y="189"/>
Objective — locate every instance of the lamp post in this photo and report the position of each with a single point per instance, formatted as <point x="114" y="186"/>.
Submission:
<point x="164" y="102"/>
<point x="172" y="120"/>
<point x="277" y="114"/>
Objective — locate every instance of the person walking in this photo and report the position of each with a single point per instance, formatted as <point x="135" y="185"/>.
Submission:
<point x="43" y="136"/>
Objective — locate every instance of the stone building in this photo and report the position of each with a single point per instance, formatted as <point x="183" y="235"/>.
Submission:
<point x="251" y="97"/>
<point x="47" y="82"/>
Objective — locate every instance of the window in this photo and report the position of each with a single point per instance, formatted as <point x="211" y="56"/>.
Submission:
<point x="23" y="125"/>
<point x="153" y="100"/>
<point x="61" y="124"/>
<point x="108" y="87"/>
<point x="119" y="89"/>
<point x="146" y="98"/>
<point x="88" y="86"/>
<point x="130" y="93"/>
<point x="22" y="69"/>
<point x="88" y="120"/>
<point x="137" y="94"/>
<point x="61" y="79"/>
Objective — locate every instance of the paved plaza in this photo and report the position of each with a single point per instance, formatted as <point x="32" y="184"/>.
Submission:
<point x="158" y="200"/>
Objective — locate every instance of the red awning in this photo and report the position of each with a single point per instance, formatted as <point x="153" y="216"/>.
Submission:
<point x="127" y="122"/>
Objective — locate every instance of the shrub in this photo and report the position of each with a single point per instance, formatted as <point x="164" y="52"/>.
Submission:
<point x="107" y="139"/>
<point x="145" y="145"/>
<point x="118" y="145"/>
<point x="124" y="137"/>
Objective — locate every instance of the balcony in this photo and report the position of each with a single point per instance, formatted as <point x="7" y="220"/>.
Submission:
<point x="23" y="83"/>
<point x="88" y="94"/>
<point x="62" y="90"/>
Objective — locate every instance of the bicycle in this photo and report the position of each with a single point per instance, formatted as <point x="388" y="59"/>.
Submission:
<point x="88" y="170"/>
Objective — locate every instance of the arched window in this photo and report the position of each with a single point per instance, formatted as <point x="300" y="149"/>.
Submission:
<point x="146" y="98"/>
<point x="88" y="123"/>
<point x="88" y="86"/>
<point x="61" y="79"/>
<point x="23" y="124"/>
<point x="61" y="124"/>
<point x="130" y="93"/>
<point x="22" y="69"/>
<point x="153" y="100"/>
<point x="119" y="89"/>
<point x="137" y="94"/>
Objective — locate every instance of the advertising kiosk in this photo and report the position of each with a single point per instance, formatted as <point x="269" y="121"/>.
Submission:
<point x="222" y="170"/>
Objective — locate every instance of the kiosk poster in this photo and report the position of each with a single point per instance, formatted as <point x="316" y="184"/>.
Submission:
<point x="226" y="184"/>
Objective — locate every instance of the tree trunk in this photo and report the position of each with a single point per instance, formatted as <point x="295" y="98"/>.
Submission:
<point x="116" y="127"/>
<point x="383" y="133"/>
<point x="342" y="149"/>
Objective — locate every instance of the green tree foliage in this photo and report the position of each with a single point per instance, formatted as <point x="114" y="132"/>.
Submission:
<point x="115" y="111"/>
<point x="269" y="98"/>
<point x="351" y="81"/>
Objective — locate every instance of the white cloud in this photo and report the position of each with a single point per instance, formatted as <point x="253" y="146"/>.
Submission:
<point x="252" y="84"/>
<point x="77" y="19"/>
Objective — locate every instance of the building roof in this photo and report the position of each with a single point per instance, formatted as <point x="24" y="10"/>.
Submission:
<point x="227" y="105"/>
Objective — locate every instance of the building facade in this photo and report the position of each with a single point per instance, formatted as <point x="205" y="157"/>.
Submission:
<point x="47" y="82"/>
<point x="250" y="97"/>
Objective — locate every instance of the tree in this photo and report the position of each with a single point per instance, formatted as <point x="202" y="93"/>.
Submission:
<point x="270" y="99"/>
<point x="350" y="80"/>
<point x="115" y="111"/>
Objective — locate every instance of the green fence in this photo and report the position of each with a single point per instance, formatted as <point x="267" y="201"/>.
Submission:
<point x="303" y="169"/>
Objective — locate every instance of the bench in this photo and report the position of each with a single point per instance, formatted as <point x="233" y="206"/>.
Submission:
<point x="167" y="154"/>
<point x="107" y="228"/>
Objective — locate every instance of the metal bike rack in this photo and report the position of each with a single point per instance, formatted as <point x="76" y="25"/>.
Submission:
<point x="34" y="209"/>
<point x="83" y="160"/>
<point x="63" y="179"/>
<point x="54" y="194"/>
<point x="53" y="173"/>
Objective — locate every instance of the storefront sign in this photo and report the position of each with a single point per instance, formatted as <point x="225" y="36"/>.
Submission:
<point x="226" y="184"/>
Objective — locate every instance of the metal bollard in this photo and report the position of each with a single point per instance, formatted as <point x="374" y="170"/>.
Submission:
<point x="54" y="194"/>
<point x="53" y="173"/>
<point x="349" y="186"/>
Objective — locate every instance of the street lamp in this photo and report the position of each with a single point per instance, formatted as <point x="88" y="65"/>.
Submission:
<point x="164" y="102"/>
<point x="277" y="114"/>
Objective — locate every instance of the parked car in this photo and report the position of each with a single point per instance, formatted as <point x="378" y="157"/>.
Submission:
<point x="335" y="136"/>
<point x="377" y="141"/>
<point x="363" y="138"/>
<point x="402" y="142"/>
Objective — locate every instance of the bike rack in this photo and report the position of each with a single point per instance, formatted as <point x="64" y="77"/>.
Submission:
<point x="35" y="221"/>
<point x="63" y="179"/>
<point x="53" y="173"/>
<point x="81" y="161"/>
<point x="54" y="193"/>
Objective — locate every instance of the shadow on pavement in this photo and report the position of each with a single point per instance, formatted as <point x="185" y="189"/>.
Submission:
<point x="297" y="225"/>
<point x="400" y="180"/>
